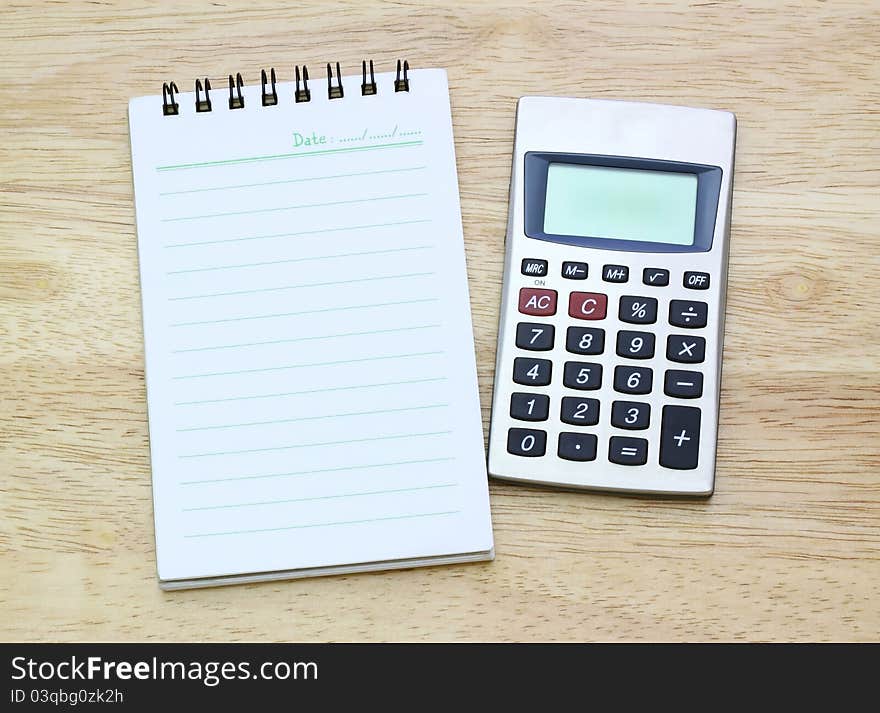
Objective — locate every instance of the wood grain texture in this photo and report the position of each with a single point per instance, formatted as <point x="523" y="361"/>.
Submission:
<point x="789" y="546"/>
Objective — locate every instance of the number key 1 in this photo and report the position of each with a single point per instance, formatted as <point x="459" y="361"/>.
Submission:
<point x="529" y="407"/>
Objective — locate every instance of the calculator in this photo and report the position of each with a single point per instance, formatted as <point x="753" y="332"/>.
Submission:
<point x="612" y="314"/>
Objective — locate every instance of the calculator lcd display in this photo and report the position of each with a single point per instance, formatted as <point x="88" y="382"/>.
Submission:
<point x="620" y="203"/>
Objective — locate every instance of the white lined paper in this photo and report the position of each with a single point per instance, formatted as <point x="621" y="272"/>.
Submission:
<point x="310" y="369"/>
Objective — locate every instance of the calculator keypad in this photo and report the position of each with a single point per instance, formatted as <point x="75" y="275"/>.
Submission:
<point x="678" y="422"/>
<point x="579" y="412"/>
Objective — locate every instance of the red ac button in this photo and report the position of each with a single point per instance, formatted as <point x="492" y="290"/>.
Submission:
<point x="587" y="305"/>
<point x="540" y="303"/>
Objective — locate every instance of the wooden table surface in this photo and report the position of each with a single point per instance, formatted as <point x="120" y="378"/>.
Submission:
<point x="788" y="547"/>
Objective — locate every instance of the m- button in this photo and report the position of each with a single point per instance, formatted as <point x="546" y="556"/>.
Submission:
<point x="587" y="305"/>
<point x="540" y="303"/>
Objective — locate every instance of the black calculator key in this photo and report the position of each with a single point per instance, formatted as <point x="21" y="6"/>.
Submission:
<point x="575" y="270"/>
<point x="577" y="446"/>
<point x="685" y="313"/>
<point x="655" y="277"/>
<point x="582" y="375"/>
<point x="696" y="280"/>
<point x="615" y="273"/>
<point x="638" y="310"/>
<point x="632" y="415"/>
<point x="635" y="345"/>
<point x="628" y="451"/>
<point x="529" y="407"/>
<point x="585" y="340"/>
<point x="683" y="384"/>
<point x="680" y="437"/>
<point x="535" y="336"/>
<point x="534" y="372"/>
<point x="633" y="379"/>
<point x="579" y="412"/>
<point x="685" y="349"/>
<point x="526" y="442"/>
<point x="534" y="268"/>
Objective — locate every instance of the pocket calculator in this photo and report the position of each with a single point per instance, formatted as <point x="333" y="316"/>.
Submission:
<point x="612" y="315"/>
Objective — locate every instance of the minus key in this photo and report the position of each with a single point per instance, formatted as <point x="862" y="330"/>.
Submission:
<point x="683" y="384"/>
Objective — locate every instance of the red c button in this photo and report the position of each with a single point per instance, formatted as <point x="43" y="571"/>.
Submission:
<point x="587" y="305"/>
<point x="540" y="303"/>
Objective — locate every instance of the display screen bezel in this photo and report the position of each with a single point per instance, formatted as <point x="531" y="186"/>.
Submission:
<point x="537" y="164"/>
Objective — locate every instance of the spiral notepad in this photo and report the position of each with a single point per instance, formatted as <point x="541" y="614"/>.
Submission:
<point x="311" y="383"/>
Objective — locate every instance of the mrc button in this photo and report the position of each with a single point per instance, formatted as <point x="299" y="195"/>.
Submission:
<point x="696" y="280"/>
<point x="540" y="303"/>
<point x="534" y="268"/>
<point x="587" y="305"/>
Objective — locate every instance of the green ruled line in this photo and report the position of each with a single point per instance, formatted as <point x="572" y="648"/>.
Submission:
<point x="236" y="293"/>
<point x="310" y="391"/>
<point x="311" y="418"/>
<point x="320" y="231"/>
<point x="282" y="156"/>
<point x="322" y="497"/>
<point x="316" y="445"/>
<point x="297" y="473"/>
<point x="306" y="339"/>
<point x="296" y="314"/>
<point x="324" y="524"/>
<point x="299" y="259"/>
<point x="301" y="366"/>
<point x="371" y="199"/>
<point x="293" y="180"/>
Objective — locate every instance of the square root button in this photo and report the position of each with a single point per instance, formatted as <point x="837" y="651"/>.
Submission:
<point x="587" y="305"/>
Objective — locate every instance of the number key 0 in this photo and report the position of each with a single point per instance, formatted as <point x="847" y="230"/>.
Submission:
<point x="526" y="442"/>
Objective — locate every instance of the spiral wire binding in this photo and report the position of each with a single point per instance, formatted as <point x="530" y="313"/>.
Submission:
<point x="302" y="93"/>
<point x="334" y="92"/>
<point x="368" y="88"/>
<point x="269" y="98"/>
<point x="236" y="100"/>
<point x="169" y="108"/>
<point x="203" y="104"/>
<point x="402" y="85"/>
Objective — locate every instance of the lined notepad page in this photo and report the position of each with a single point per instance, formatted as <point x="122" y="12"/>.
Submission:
<point x="310" y="369"/>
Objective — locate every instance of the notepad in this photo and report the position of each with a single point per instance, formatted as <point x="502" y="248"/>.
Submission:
<point x="311" y="382"/>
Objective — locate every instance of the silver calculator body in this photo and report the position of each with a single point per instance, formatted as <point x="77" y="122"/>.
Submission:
<point x="612" y="316"/>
